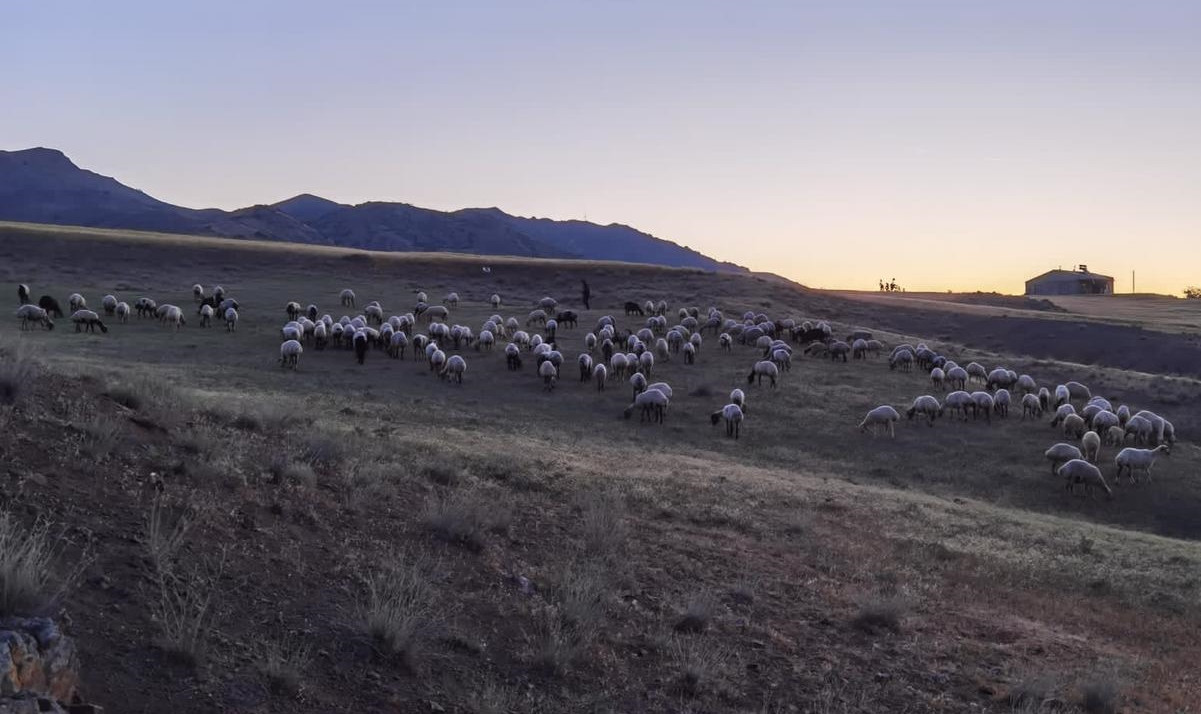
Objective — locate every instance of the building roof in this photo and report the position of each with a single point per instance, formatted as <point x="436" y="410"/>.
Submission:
<point x="1069" y="275"/>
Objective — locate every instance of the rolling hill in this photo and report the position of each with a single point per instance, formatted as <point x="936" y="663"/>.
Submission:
<point x="42" y="185"/>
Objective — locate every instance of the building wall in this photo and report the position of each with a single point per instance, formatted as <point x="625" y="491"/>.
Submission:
<point x="1064" y="286"/>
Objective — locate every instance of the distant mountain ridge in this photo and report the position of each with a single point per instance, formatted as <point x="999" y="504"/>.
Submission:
<point x="44" y="186"/>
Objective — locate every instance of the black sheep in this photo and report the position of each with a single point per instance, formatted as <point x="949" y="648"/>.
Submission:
<point x="23" y="294"/>
<point x="50" y="305"/>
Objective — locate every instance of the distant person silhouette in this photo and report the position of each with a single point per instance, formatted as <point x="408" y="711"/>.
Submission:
<point x="587" y="295"/>
<point x="881" y="284"/>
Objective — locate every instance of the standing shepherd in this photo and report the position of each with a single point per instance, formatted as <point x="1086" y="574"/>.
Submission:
<point x="586" y="294"/>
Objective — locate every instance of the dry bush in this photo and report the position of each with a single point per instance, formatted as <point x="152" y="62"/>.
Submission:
<point x="569" y="626"/>
<point x="182" y="606"/>
<point x="493" y="698"/>
<point x="879" y="613"/>
<point x="144" y="393"/>
<point x="297" y="473"/>
<point x="27" y="563"/>
<point x="397" y="609"/>
<point x="282" y="662"/>
<point x="1031" y="692"/>
<point x="602" y="524"/>
<point x="699" y="661"/>
<point x="1100" y="696"/>
<point x="697" y="613"/>
<point x="100" y="437"/>
<point x="465" y="517"/>
<point x="18" y="369"/>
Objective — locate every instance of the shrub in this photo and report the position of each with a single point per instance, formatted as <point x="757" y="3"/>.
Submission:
<point x="283" y="661"/>
<point x="465" y="517"/>
<point x="697" y="613"/>
<point x="699" y="661"/>
<point x="602" y="524"/>
<point x="880" y="613"/>
<point x="17" y="372"/>
<point x="27" y="557"/>
<point x="398" y="608"/>
<point x="1100" y="696"/>
<point x="1030" y="693"/>
<point x="182" y="607"/>
<point x="100" y="437"/>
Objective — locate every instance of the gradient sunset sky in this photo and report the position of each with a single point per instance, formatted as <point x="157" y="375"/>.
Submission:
<point x="952" y="145"/>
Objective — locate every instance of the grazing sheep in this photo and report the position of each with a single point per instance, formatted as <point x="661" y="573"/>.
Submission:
<point x="1074" y="426"/>
<point x="737" y="396"/>
<point x="206" y="315"/>
<point x="512" y="357"/>
<point x="1123" y="414"/>
<point x="34" y="315"/>
<point x="1076" y="390"/>
<point x="1079" y="471"/>
<point x="764" y="368"/>
<point x="145" y="307"/>
<point x="653" y="405"/>
<point x="1132" y="460"/>
<point x="1044" y="398"/>
<point x="437" y="358"/>
<point x="901" y="360"/>
<point x="1062" y="396"/>
<point x="289" y="354"/>
<point x="122" y="312"/>
<point x="690" y="355"/>
<point x="938" y="379"/>
<point x="956" y="377"/>
<point x="977" y="373"/>
<point x="197" y="292"/>
<point x="638" y="383"/>
<point x="171" y="315"/>
<point x="436" y="312"/>
<point x="1102" y="421"/>
<point x="1142" y="429"/>
<point x="585" y="362"/>
<point x="109" y="303"/>
<point x="549" y="375"/>
<point x="218" y="293"/>
<point x="1001" y="402"/>
<point x="231" y="320"/>
<point x="455" y="366"/>
<point x="451" y="300"/>
<point x="732" y="414"/>
<point x="601" y="375"/>
<point x="1026" y="384"/>
<point x="76" y="302"/>
<point x="360" y="346"/>
<point x="646" y="363"/>
<point x="321" y="335"/>
<point x="959" y="401"/>
<point x="983" y="403"/>
<point x="926" y="406"/>
<point x="494" y="301"/>
<point x="548" y="303"/>
<point x="293" y="310"/>
<point x="1060" y="454"/>
<point x="87" y="319"/>
<point x="1032" y="406"/>
<point x="22" y="294"/>
<point x="1091" y="446"/>
<point x="346" y="297"/>
<point x="1157" y="426"/>
<point x="1115" y="435"/>
<point x="1061" y="413"/>
<point x="880" y="419"/>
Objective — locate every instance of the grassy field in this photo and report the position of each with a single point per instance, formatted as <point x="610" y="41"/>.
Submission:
<point x="372" y="539"/>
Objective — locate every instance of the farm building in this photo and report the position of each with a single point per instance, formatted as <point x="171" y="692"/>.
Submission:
<point x="1070" y="282"/>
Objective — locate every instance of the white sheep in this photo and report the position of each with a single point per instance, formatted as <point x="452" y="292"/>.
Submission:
<point x="437" y="358"/>
<point x="1032" y="406"/>
<point x="1062" y="396"/>
<point x="1141" y="428"/>
<point x="732" y="414"/>
<point x="231" y="320"/>
<point x="109" y="303"/>
<point x="87" y="319"/>
<point x="660" y="387"/>
<point x="1060" y="454"/>
<point x="1091" y="446"/>
<point x="1079" y="471"/>
<point x="289" y="354"/>
<point x="76" y="302"/>
<point x="122" y="312"/>
<point x="1076" y="390"/>
<point x="653" y="405"/>
<point x="197" y="292"/>
<point x="171" y="315"/>
<point x="738" y="397"/>
<point x="601" y="374"/>
<point x="1001" y="402"/>
<point x="586" y="362"/>
<point x="938" y="378"/>
<point x="1131" y="460"/>
<point x="1115" y="435"/>
<point x="976" y="372"/>
<point x="347" y="297"/>
<point x="883" y="418"/>
<point x="494" y="301"/>
<point x="1026" y="384"/>
<point x="983" y="404"/>
<point x="31" y="314"/>
<point x="638" y="383"/>
<point x="455" y="366"/>
<point x="926" y="406"/>
<point x="451" y="300"/>
<point x="959" y="401"/>
<point x="1061" y="413"/>
<point x="1074" y="426"/>
<point x="549" y="374"/>
<point x="764" y="368"/>
<point x="646" y="363"/>
<point x="956" y="377"/>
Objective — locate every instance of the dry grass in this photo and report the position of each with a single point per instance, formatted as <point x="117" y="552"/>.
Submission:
<point x="283" y="660"/>
<point x="18" y="369"/>
<point x="880" y="612"/>
<point x="27" y="561"/>
<point x="398" y="609"/>
<point x="465" y="517"/>
<point x="699" y="661"/>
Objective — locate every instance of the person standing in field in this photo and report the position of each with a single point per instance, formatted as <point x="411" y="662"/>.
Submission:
<point x="586" y="293"/>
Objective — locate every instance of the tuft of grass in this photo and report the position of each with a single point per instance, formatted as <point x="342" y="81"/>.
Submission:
<point x="570" y="625"/>
<point x="697" y="613"/>
<point x="398" y="610"/>
<point x="493" y="698"/>
<point x="18" y="369"/>
<point x="699" y="661"/>
<point x="182" y="607"/>
<point x="100" y="437"/>
<point x="298" y="473"/>
<point x="880" y="613"/>
<point x="443" y="475"/>
<point x="323" y="451"/>
<point x="282" y="662"/>
<point x="1029" y="694"/>
<point x="145" y="393"/>
<point x="27" y="557"/>
<point x="1100" y="696"/>
<point x="465" y="517"/>
<point x="602" y="524"/>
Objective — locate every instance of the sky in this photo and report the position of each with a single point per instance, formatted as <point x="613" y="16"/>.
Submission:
<point x="951" y="145"/>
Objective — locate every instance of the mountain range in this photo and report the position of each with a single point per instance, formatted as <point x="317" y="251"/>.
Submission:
<point x="44" y="186"/>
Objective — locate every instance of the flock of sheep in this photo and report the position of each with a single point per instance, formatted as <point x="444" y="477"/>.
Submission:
<point x="610" y="354"/>
<point x="1097" y="423"/>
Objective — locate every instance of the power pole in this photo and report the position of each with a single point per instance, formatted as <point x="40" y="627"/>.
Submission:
<point x="1131" y="282"/>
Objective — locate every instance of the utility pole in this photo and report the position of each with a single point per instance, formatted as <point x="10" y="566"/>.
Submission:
<point x="1131" y="282"/>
